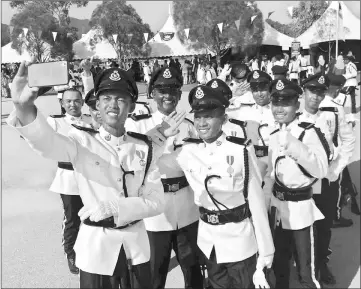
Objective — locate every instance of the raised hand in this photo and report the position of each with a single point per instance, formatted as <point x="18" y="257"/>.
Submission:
<point x="226" y="69"/>
<point x="170" y="124"/>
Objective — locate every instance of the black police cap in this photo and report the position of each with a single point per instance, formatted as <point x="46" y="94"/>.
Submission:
<point x="285" y="89"/>
<point x="165" y="77"/>
<point x="318" y="80"/>
<point x="258" y="76"/>
<point x="221" y="86"/>
<point x="239" y="70"/>
<point x="278" y="69"/>
<point x="336" y="80"/>
<point x="203" y="98"/>
<point x="91" y="99"/>
<point x="116" y="79"/>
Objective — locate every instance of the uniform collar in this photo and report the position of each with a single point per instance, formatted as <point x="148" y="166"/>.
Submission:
<point x="267" y="106"/>
<point x="217" y="143"/>
<point x="111" y="139"/>
<point x="73" y="118"/>
<point x="291" y="125"/>
<point x="309" y="116"/>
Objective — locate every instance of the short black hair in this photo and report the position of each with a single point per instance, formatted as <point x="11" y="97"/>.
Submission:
<point x="73" y="89"/>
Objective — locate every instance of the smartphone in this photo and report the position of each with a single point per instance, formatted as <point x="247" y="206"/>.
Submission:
<point x="48" y="74"/>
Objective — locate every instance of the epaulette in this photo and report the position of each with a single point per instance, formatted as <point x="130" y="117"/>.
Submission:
<point x="330" y="109"/>
<point x="57" y="115"/>
<point x="306" y="125"/>
<point x="140" y="116"/>
<point x="189" y="121"/>
<point x="192" y="140"/>
<point x="238" y="140"/>
<point x="87" y="129"/>
<point x="238" y="122"/>
<point x="139" y="136"/>
<point x="274" y="131"/>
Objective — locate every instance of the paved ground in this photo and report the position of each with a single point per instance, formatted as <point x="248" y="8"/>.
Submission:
<point x="31" y="218"/>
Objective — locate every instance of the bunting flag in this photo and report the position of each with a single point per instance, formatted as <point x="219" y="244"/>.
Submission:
<point x="290" y="10"/>
<point x="186" y="31"/>
<point x="237" y="22"/>
<point x="146" y="37"/>
<point x="25" y="31"/>
<point x="115" y="37"/>
<point x="252" y="18"/>
<point x="270" y="13"/>
<point x="341" y="32"/>
<point x="11" y="29"/>
<point x="54" y="35"/>
<point x="39" y="33"/>
<point x="220" y="26"/>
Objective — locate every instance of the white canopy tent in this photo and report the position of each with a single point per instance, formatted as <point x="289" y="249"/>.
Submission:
<point x="10" y="55"/>
<point x="324" y="29"/>
<point x="273" y="37"/>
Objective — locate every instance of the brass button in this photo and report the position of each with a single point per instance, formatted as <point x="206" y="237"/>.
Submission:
<point x="107" y="137"/>
<point x="118" y="148"/>
<point x="97" y="163"/>
<point x="122" y="194"/>
<point x="119" y="179"/>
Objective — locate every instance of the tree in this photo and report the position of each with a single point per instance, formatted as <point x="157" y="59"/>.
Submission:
<point x="116" y="17"/>
<point x="283" y="28"/>
<point x="5" y="35"/>
<point x="202" y="17"/>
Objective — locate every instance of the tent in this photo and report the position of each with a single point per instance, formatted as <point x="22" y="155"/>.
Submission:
<point x="273" y="37"/>
<point x="167" y="43"/>
<point x="10" y="55"/>
<point x="324" y="29"/>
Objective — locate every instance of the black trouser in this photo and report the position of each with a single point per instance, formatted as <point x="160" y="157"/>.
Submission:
<point x="72" y="205"/>
<point x="140" y="276"/>
<point x="184" y="243"/>
<point x="351" y="90"/>
<point x="63" y="111"/>
<point x="303" y="75"/>
<point x="326" y="203"/>
<point x="303" y="243"/>
<point x="230" y="275"/>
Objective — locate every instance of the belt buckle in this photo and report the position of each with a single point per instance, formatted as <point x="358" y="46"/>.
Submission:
<point x="173" y="188"/>
<point x="213" y="219"/>
<point x="280" y="195"/>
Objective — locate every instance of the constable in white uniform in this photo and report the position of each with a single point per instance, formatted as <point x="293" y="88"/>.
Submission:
<point x="351" y="81"/>
<point x="297" y="158"/>
<point x="228" y="194"/>
<point x="64" y="182"/>
<point x="117" y="179"/>
<point x="177" y="227"/>
<point x="315" y="88"/>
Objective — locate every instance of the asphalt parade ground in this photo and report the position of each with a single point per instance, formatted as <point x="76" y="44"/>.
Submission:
<point x="32" y="254"/>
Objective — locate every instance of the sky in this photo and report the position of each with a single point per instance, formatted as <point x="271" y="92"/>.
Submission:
<point x="155" y="13"/>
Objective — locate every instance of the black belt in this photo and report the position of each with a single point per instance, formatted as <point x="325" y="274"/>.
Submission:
<point x="235" y="215"/>
<point x="172" y="185"/>
<point x="65" y="166"/>
<point x="292" y="195"/>
<point x="108" y="223"/>
<point x="261" y="151"/>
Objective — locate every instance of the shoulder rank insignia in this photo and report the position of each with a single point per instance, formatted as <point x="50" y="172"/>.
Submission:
<point x="139" y="117"/>
<point x="238" y="122"/>
<point x="330" y="109"/>
<point x="306" y="125"/>
<point x="192" y="140"/>
<point x="238" y="140"/>
<point x="139" y="136"/>
<point x="57" y="115"/>
<point x="87" y="129"/>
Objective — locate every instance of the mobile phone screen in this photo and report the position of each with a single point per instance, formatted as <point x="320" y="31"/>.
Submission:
<point x="48" y="74"/>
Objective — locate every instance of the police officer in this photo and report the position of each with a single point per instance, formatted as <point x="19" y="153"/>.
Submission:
<point x="117" y="179"/>
<point x="333" y="125"/>
<point x="227" y="194"/>
<point x="90" y="100"/>
<point x="297" y="158"/>
<point x="351" y="81"/>
<point x="279" y="72"/>
<point x="177" y="227"/>
<point x="64" y="181"/>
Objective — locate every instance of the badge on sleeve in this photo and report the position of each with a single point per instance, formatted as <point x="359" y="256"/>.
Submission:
<point x="199" y="93"/>
<point x="115" y="76"/>
<point x="167" y="74"/>
<point x="280" y="85"/>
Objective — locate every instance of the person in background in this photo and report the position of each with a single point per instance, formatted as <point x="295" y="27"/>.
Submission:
<point x="303" y="66"/>
<point x="165" y="63"/>
<point x="178" y="66"/>
<point x="97" y="69"/>
<point x="254" y="63"/>
<point x="90" y="101"/>
<point x="215" y="69"/>
<point x="339" y="67"/>
<point x="156" y="66"/>
<point x="331" y="64"/>
<point x="201" y="73"/>
<point x="294" y="69"/>
<point x="351" y="81"/>
<point x="286" y="58"/>
<point x="320" y="65"/>
<point x="87" y="76"/>
<point x="147" y="74"/>
<point x="195" y="64"/>
<point x="185" y="71"/>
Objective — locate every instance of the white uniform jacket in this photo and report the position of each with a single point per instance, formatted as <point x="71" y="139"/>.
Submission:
<point x="97" y="159"/>
<point x="351" y="74"/>
<point x="180" y="209"/>
<point x="64" y="181"/>
<point x="233" y="242"/>
<point x="311" y="155"/>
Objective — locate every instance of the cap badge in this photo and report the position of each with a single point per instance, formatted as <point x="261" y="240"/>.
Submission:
<point x="115" y="76"/>
<point x="255" y="75"/>
<point x="167" y="74"/>
<point x="280" y="85"/>
<point x="199" y="93"/>
<point x="321" y="80"/>
<point x="214" y="84"/>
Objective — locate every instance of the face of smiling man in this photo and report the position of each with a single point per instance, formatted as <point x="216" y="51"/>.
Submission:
<point x="166" y="98"/>
<point x="208" y="123"/>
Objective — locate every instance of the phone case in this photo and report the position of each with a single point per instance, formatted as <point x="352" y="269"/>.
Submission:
<point x="48" y="74"/>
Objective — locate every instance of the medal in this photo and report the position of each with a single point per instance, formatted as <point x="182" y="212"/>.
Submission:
<point x="230" y="161"/>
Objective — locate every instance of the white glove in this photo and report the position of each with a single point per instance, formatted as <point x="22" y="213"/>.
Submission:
<point x="99" y="212"/>
<point x="259" y="279"/>
<point x="226" y="70"/>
